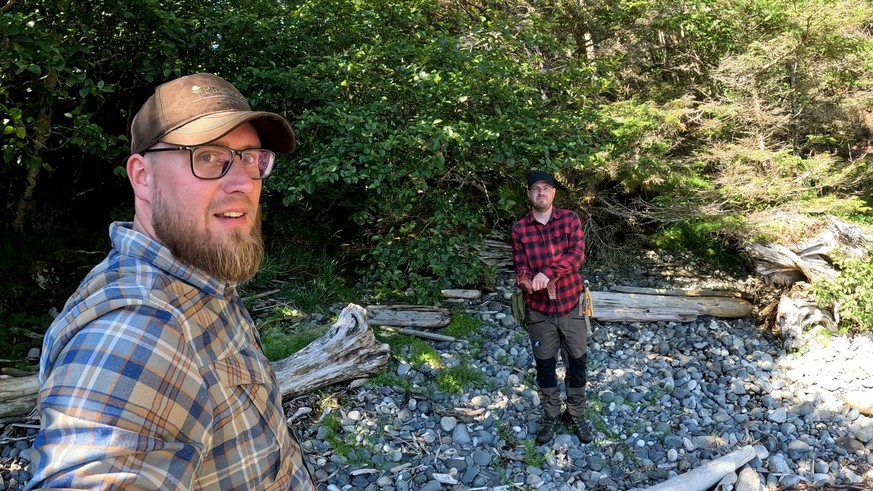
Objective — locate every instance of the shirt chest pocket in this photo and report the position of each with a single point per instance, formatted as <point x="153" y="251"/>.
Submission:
<point x="246" y="414"/>
<point x="559" y="237"/>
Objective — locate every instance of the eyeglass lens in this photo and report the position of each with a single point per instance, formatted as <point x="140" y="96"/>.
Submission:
<point x="213" y="161"/>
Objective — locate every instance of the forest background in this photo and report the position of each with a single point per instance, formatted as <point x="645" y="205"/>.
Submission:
<point x="695" y="125"/>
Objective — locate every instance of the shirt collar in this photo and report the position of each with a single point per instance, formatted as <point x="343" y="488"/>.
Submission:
<point x="135" y="244"/>
<point x="557" y="214"/>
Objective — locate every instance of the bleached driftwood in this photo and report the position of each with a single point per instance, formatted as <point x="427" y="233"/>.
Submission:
<point x="677" y="292"/>
<point x="18" y="395"/>
<point x="811" y="259"/>
<point x="409" y="316"/>
<point x="461" y="294"/>
<point x="637" y="307"/>
<point x="708" y="474"/>
<point x="348" y="350"/>
<point x="496" y="253"/>
<point x="420" y="334"/>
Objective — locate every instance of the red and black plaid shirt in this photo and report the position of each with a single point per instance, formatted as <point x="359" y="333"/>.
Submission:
<point x="557" y="250"/>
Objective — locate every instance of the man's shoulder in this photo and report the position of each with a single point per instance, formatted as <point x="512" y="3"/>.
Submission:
<point x="523" y="222"/>
<point x="564" y="213"/>
<point x="118" y="282"/>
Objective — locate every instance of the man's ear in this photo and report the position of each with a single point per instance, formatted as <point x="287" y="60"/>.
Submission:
<point x="139" y="172"/>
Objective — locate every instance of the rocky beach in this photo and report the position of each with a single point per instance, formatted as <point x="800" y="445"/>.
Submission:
<point x="664" y="398"/>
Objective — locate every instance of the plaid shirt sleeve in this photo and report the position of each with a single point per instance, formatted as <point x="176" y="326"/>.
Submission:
<point x="115" y="402"/>
<point x="556" y="249"/>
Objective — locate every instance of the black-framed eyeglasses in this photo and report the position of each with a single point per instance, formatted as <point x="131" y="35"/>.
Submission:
<point x="213" y="161"/>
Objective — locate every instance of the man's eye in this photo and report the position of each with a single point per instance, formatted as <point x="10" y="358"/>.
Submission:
<point x="210" y="157"/>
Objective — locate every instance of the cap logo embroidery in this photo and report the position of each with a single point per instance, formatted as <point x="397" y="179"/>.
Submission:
<point x="224" y="95"/>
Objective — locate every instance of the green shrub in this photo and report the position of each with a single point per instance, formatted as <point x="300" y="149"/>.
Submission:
<point x="386" y="379"/>
<point x="411" y="350"/>
<point x="279" y="344"/>
<point x="334" y="428"/>
<point x="457" y="378"/>
<point x="702" y="239"/>
<point x="463" y="326"/>
<point x="532" y="457"/>
<point x="851" y="290"/>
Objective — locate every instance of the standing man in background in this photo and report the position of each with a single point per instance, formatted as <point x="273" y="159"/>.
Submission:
<point x="153" y="375"/>
<point x="548" y="248"/>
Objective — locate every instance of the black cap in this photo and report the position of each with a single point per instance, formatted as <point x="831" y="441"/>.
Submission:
<point x="540" y="176"/>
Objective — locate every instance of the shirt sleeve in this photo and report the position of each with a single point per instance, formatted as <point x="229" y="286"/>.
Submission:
<point x="574" y="255"/>
<point x="122" y="406"/>
<point x="519" y="258"/>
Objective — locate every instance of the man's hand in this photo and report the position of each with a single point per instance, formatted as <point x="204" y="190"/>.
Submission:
<point x="540" y="281"/>
<point x="525" y="285"/>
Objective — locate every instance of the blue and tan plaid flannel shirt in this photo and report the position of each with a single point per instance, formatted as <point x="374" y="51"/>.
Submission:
<point x="153" y="377"/>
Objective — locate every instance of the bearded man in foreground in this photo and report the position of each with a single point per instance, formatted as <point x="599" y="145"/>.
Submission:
<point x="153" y="375"/>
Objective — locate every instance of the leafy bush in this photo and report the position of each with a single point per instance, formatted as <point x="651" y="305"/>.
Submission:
<point x="703" y="239"/>
<point x="850" y="292"/>
<point x="411" y="133"/>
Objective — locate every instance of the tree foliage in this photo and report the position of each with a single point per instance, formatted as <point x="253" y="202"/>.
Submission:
<point x="417" y="120"/>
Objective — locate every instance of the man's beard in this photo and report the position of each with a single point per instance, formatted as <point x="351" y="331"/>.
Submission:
<point x="235" y="256"/>
<point x="541" y="208"/>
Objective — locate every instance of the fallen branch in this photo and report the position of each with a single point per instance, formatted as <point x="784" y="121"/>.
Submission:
<point x="261" y="295"/>
<point x="461" y="294"/>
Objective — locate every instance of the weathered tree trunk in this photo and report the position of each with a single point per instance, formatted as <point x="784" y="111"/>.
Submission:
<point x="43" y="129"/>
<point x="409" y="316"/>
<point x="18" y="395"/>
<point x="348" y="350"/>
<point x="637" y="307"/>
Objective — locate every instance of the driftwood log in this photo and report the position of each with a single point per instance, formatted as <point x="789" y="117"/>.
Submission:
<point x="18" y="395"/>
<point x="810" y="260"/>
<point x="641" y="307"/>
<point x="496" y="253"/>
<point x="676" y="292"/>
<point x="461" y="294"/>
<point x="409" y="316"/>
<point x="708" y="474"/>
<point x="799" y="265"/>
<point x="348" y="350"/>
